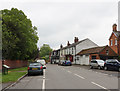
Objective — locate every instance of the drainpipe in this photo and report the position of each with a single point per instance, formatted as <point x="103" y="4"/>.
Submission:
<point x="75" y="54"/>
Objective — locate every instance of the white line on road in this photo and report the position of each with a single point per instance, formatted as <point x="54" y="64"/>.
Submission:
<point x="69" y="71"/>
<point x="79" y="76"/>
<point x="98" y="85"/>
<point x="43" y="84"/>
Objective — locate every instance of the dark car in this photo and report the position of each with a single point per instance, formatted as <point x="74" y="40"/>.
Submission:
<point x="112" y="64"/>
<point x="66" y="63"/>
<point x="35" y="68"/>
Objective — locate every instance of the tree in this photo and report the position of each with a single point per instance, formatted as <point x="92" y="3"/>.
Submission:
<point x="45" y="51"/>
<point x="0" y="35"/>
<point x="19" y="37"/>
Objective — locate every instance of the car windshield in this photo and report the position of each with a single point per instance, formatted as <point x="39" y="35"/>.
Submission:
<point x="113" y="60"/>
<point x="67" y="60"/>
<point x="100" y="61"/>
<point x="34" y="64"/>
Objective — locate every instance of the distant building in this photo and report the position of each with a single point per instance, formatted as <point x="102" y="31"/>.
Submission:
<point x="84" y="57"/>
<point x="55" y="55"/>
<point x="70" y="51"/>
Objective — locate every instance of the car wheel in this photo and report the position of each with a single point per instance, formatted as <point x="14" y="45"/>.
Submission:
<point x="99" y="67"/>
<point x="119" y="69"/>
<point x="91" y="67"/>
<point x="42" y="73"/>
<point x="28" y="74"/>
<point x="105" y="68"/>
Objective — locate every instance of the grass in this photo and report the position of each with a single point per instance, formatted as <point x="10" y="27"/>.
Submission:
<point x="18" y="69"/>
<point x="14" y="74"/>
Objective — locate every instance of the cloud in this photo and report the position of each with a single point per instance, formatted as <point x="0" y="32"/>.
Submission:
<point x="60" y="21"/>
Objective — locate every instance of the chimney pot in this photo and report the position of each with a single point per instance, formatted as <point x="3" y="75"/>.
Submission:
<point x="68" y="43"/>
<point x="61" y="46"/>
<point x="76" y="39"/>
<point x="115" y="27"/>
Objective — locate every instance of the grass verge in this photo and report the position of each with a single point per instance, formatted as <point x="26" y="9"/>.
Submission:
<point x="14" y="74"/>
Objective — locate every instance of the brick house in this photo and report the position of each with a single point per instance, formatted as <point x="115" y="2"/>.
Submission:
<point x="114" y="40"/>
<point x="105" y="52"/>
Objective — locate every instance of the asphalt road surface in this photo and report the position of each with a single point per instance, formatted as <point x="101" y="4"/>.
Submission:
<point x="69" y="77"/>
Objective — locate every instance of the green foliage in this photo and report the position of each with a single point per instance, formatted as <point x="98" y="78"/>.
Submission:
<point x="12" y="76"/>
<point x="0" y="35"/>
<point x="18" y="35"/>
<point x="45" y="51"/>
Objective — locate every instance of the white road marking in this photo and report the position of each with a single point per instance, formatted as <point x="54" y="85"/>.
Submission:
<point x="43" y="84"/>
<point x="79" y="76"/>
<point x="98" y="85"/>
<point x="69" y="71"/>
<point x="105" y="74"/>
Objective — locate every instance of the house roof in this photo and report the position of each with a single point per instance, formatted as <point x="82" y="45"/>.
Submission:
<point x="73" y="44"/>
<point x="117" y="34"/>
<point x="91" y="50"/>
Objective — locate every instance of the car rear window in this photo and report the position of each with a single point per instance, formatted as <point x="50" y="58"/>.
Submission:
<point x="42" y="62"/>
<point x="93" y="61"/>
<point x="35" y="64"/>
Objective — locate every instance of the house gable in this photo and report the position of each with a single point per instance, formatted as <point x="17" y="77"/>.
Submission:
<point x="107" y="51"/>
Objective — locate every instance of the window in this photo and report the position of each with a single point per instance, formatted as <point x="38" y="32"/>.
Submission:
<point x="111" y="42"/>
<point x="93" y="57"/>
<point x="115" y="41"/>
<point x="72" y="50"/>
<point x="77" y="58"/>
<point x="107" y="52"/>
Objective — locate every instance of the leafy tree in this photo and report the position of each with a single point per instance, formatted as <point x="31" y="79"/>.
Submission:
<point x="44" y="51"/>
<point x="0" y="35"/>
<point x="19" y="37"/>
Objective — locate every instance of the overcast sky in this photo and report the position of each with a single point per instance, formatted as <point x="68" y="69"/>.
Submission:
<point x="59" y="21"/>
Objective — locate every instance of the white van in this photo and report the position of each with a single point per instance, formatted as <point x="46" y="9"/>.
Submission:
<point x="42" y="61"/>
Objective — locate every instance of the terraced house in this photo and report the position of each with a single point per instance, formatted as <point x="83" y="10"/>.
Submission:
<point x="69" y="52"/>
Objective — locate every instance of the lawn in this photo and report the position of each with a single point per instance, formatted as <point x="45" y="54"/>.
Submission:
<point x="14" y="74"/>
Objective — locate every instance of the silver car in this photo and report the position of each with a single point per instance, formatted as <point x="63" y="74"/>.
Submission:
<point x="97" y="63"/>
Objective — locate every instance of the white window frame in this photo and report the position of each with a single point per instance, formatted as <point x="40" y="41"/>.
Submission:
<point x="115" y="41"/>
<point x="111" y="42"/>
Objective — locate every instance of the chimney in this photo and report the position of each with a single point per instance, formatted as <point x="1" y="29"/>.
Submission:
<point x="68" y="43"/>
<point x="115" y="27"/>
<point x="76" y="39"/>
<point x="61" y="46"/>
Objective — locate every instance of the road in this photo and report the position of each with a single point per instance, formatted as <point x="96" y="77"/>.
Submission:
<point x="69" y="77"/>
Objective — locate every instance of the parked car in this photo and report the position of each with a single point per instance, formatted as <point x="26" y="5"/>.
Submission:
<point x="56" y="61"/>
<point x="35" y="68"/>
<point x="112" y="64"/>
<point x="96" y="63"/>
<point x="65" y="63"/>
<point x="42" y="61"/>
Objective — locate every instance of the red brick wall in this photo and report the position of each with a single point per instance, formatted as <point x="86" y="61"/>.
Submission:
<point x="16" y="63"/>
<point x="90" y="57"/>
<point x="114" y="47"/>
<point x="119" y="46"/>
<point x="110" y="53"/>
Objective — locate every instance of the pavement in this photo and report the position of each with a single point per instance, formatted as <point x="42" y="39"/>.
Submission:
<point x="68" y="77"/>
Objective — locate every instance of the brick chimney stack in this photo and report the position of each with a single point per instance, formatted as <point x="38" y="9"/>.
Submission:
<point x="115" y="27"/>
<point x="61" y="46"/>
<point x="76" y="39"/>
<point x="68" y="43"/>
